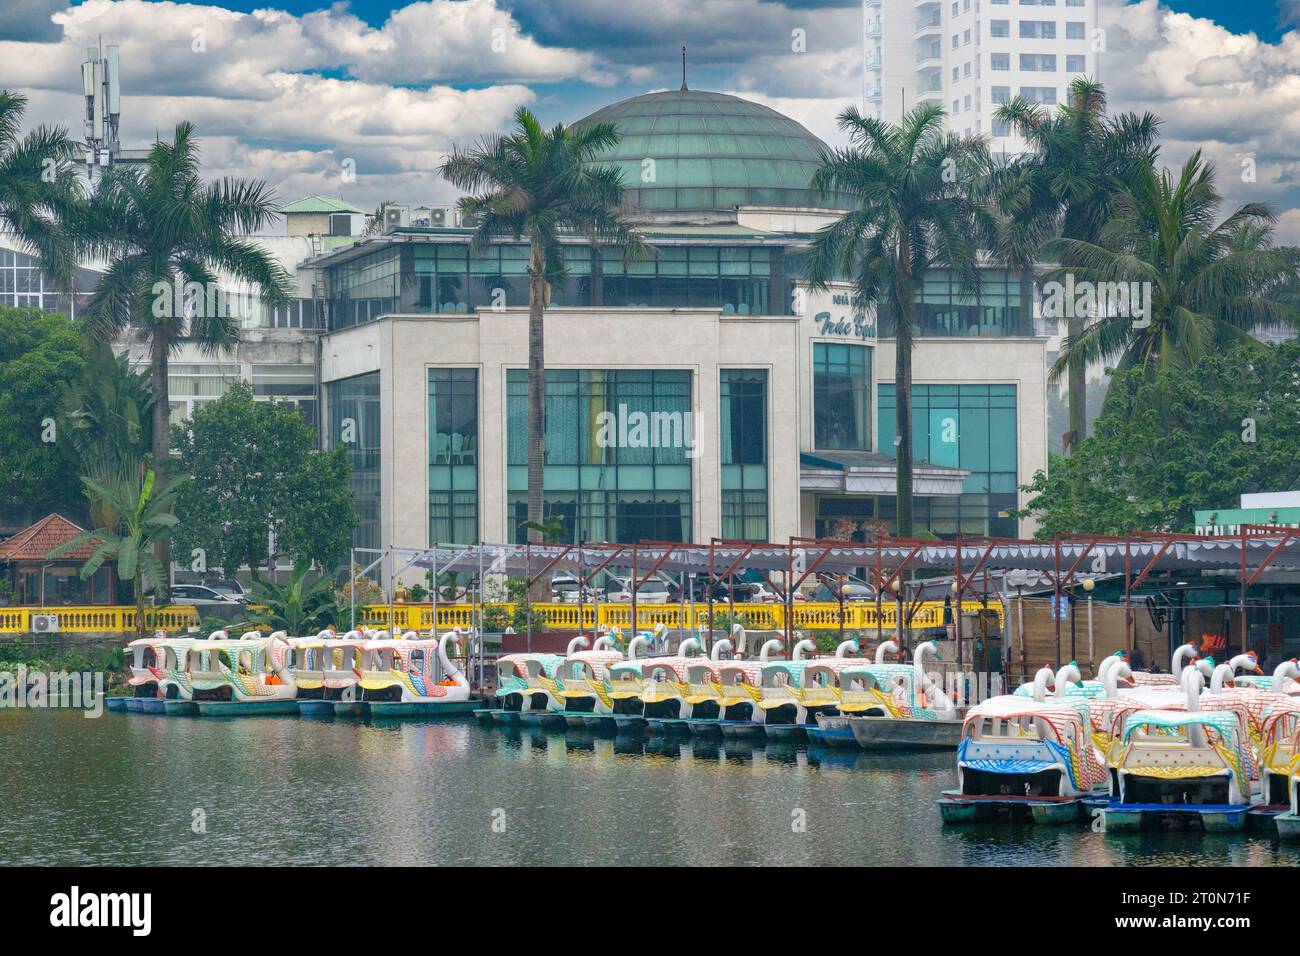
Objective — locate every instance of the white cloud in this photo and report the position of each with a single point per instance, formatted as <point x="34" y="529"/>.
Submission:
<point x="1233" y="96"/>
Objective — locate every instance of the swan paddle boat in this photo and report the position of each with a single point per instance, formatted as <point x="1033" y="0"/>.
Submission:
<point x="528" y="688"/>
<point x="1280" y="762"/>
<point x="664" y="687"/>
<point x="159" y="680"/>
<point x="1176" y="763"/>
<point x="1018" y="754"/>
<point x="739" y="693"/>
<point x="245" y="677"/>
<point x="327" y="669"/>
<point x="811" y="686"/>
<point x="411" y="677"/>
<point x="582" y="678"/>
<point x="858" y="693"/>
<point x="918" y="714"/>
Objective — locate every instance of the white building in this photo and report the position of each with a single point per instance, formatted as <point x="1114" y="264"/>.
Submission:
<point x="766" y="408"/>
<point x="969" y="56"/>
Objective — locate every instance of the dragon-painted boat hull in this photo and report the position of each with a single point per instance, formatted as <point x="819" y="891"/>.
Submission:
<point x="901" y="733"/>
<point x="423" y="708"/>
<point x="248" y="708"/>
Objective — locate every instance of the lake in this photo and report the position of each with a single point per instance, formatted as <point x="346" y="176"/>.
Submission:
<point x="133" y="789"/>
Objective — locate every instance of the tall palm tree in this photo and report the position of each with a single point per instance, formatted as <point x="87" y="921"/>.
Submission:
<point x="917" y="191"/>
<point x="38" y="188"/>
<point x="1211" y="282"/>
<point x="1064" y="185"/>
<point x="537" y="184"/>
<point x="160" y="225"/>
<point x="103" y="422"/>
<point x="142" y="507"/>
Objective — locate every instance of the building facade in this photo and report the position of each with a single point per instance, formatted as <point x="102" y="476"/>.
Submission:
<point x="701" y="391"/>
<point x="970" y="56"/>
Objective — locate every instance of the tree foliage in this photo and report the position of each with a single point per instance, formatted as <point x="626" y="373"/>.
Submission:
<point x="260" y="489"/>
<point x="143" y="515"/>
<point x="917" y="196"/>
<point x="298" y="606"/>
<point x="40" y="355"/>
<point x="1172" y="440"/>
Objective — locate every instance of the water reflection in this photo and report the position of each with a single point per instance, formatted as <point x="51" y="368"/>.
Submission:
<point x="122" y="789"/>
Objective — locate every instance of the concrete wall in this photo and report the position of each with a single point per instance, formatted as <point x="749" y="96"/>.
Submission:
<point x="703" y="341"/>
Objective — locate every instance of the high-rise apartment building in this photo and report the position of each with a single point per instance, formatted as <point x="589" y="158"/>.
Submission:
<point x="969" y="56"/>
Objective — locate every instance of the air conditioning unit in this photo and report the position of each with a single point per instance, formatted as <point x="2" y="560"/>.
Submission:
<point x="395" y="217"/>
<point x="444" y="216"/>
<point x="45" y="623"/>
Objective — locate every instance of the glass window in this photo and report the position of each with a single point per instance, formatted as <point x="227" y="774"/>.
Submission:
<point x="743" y="437"/>
<point x="354" y="420"/>
<point x="453" y="455"/>
<point x="1000" y="61"/>
<point x="972" y="427"/>
<point x="617" y="445"/>
<point x="842" y="396"/>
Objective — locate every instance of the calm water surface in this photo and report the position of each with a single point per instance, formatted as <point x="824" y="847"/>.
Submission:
<point x="123" y="789"/>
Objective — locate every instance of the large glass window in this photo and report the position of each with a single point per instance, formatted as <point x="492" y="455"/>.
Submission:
<point x="961" y="426"/>
<point x="365" y="288"/>
<point x="453" y="455"/>
<point x="841" y="396"/>
<point x="287" y="383"/>
<point x="354" y="422"/>
<point x="743" y="437"/>
<point x="1003" y="304"/>
<point x="448" y="278"/>
<point x="617" y="453"/>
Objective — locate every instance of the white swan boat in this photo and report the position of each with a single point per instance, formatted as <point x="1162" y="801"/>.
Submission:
<point x="1019" y="753"/>
<point x="242" y="677"/>
<point x="410" y="677"/>
<point x="918" y="713"/>
<point x="1188" y="761"/>
<point x="327" y="668"/>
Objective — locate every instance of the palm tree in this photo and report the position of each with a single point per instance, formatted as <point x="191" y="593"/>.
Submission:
<point x="536" y="184"/>
<point x="297" y="606"/>
<point x="162" y="225"/>
<point x="38" y="188"/>
<point x="103" y="419"/>
<point x="1065" y="186"/>
<point x="1210" y="283"/>
<point x="918" y="207"/>
<point x="143" y="508"/>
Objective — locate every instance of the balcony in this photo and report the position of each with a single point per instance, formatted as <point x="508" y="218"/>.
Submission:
<point x="873" y="28"/>
<point x="928" y="26"/>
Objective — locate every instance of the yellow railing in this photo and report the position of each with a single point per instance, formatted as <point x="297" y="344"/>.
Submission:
<point x="93" y="618"/>
<point x="560" y="617"/>
<point x="760" y="617"/>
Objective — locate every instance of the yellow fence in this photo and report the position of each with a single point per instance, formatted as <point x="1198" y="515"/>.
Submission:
<point x="760" y="617"/>
<point x="561" y="617"/>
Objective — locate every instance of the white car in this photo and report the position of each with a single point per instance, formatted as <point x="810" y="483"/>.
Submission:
<point x="653" y="591"/>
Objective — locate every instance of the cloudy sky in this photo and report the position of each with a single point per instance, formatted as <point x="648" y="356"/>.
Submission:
<point x="288" y="91"/>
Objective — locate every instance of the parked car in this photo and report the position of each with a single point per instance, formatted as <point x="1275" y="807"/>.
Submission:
<point x="565" y="590"/>
<point x="653" y="591"/>
<point x="206" y="600"/>
<point x="227" y="586"/>
<point x="852" y="588"/>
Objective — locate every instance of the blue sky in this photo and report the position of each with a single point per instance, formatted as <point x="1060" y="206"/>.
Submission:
<point x="291" y="90"/>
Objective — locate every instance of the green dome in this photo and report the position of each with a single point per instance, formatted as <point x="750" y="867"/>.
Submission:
<point x="711" y="152"/>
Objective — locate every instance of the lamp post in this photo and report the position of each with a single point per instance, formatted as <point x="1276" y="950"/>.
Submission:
<point x="1088" y="585"/>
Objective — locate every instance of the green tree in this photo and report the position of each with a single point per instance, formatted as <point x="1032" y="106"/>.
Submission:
<point x="39" y="189"/>
<point x="298" y="606"/>
<point x="1171" y="440"/>
<point x="1064" y="185"/>
<point x="103" y="421"/>
<point x="918" y="205"/>
<point x="1211" y="283"/>
<point x="143" y="507"/>
<point x="40" y="355"/>
<point x="536" y="184"/>
<point x="260" y="489"/>
<point x="160" y="226"/>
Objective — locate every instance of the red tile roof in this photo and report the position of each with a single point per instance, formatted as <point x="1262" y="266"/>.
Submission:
<point x="36" y="542"/>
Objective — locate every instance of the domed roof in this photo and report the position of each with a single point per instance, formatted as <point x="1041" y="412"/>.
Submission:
<point x="711" y="151"/>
